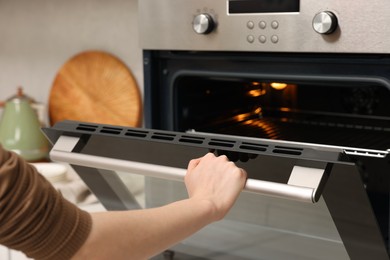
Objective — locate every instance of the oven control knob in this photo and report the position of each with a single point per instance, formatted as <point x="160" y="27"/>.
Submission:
<point x="203" y="24"/>
<point x="325" y="22"/>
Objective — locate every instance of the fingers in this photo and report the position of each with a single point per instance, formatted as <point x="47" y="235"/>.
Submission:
<point x="222" y="161"/>
<point x="209" y="157"/>
<point x="215" y="179"/>
<point x="244" y="175"/>
<point x="193" y="163"/>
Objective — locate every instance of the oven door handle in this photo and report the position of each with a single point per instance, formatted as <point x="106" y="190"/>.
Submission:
<point x="303" y="184"/>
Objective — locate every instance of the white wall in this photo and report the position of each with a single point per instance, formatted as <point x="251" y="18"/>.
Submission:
<point x="38" y="37"/>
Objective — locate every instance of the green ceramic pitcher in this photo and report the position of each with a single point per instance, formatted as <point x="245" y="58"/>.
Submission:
<point x="20" y="129"/>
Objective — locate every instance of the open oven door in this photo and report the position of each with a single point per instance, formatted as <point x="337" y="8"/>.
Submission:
<point x="303" y="201"/>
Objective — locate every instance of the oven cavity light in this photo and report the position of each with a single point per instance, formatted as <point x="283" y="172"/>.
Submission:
<point x="278" y="86"/>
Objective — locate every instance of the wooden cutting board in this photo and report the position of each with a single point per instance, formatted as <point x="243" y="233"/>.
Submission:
<point x="96" y="87"/>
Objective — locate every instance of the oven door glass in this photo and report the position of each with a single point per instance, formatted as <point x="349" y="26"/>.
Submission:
<point x="341" y="224"/>
<point x="258" y="227"/>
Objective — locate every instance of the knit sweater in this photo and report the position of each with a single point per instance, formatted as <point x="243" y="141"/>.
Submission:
<point x="34" y="217"/>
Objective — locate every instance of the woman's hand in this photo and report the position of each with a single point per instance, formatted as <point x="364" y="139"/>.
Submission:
<point x="215" y="180"/>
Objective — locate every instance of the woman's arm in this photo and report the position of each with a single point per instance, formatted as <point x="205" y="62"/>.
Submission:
<point x="213" y="184"/>
<point x="36" y="219"/>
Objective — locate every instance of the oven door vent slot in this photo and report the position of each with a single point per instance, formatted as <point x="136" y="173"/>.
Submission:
<point x="287" y="150"/>
<point x="163" y="136"/>
<point x="136" y="133"/>
<point x="222" y="143"/>
<point x="85" y="127"/>
<point x="111" y="130"/>
<point x="253" y="147"/>
<point x="191" y="139"/>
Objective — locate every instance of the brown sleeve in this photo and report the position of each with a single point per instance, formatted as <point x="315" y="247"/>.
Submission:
<point x="34" y="217"/>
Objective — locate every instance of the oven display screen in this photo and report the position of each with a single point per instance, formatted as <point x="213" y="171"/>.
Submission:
<point x="263" y="6"/>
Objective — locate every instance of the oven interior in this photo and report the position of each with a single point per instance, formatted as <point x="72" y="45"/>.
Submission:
<point x="332" y="99"/>
<point x="350" y="114"/>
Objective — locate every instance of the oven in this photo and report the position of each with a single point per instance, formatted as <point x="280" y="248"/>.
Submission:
<point x="297" y="92"/>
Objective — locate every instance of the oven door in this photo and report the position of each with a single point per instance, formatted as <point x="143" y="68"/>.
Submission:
<point x="301" y="201"/>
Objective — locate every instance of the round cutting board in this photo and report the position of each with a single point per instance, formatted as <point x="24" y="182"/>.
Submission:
<point x="96" y="87"/>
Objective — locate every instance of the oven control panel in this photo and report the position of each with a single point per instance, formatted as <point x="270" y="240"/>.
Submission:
<point x="271" y="25"/>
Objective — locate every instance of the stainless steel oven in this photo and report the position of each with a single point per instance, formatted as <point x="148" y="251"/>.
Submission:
<point x="297" y="92"/>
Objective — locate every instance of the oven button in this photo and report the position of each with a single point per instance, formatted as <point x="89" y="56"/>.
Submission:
<point x="250" y="25"/>
<point x="325" y="22"/>
<point x="274" y="39"/>
<point x="262" y="25"/>
<point x="203" y="24"/>
<point x="250" y="38"/>
<point x="262" y="39"/>
<point x="275" y="25"/>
